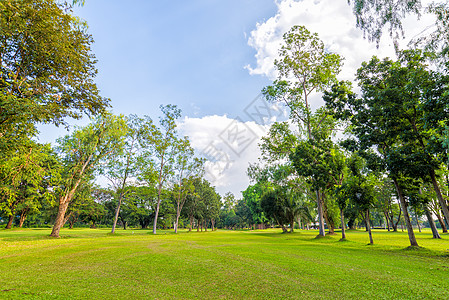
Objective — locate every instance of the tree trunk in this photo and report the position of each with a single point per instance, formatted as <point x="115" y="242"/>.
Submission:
<point x="387" y="219"/>
<point x="23" y="217"/>
<point x="60" y="220"/>
<point x="417" y="220"/>
<point x="441" y="221"/>
<point x="369" y="227"/>
<point x="117" y="211"/>
<point x="411" y="234"/>
<point x="177" y="220"/>
<point x="320" y="215"/>
<point x="343" y="229"/>
<point x="441" y="200"/>
<point x="205" y="225"/>
<point x="191" y="223"/>
<point x="434" y="229"/>
<point x="9" y="225"/>
<point x="213" y="223"/>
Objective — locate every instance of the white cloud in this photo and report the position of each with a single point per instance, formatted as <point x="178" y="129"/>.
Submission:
<point x="335" y="25"/>
<point x="229" y="144"/>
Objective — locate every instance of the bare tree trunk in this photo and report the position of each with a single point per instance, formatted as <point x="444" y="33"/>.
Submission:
<point x="117" y="211"/>
<point x="434" y="229"/>
<point x="191" y="223"/>
<point x="441" y="200"/>
<point x="369" y="227"/>
<point x="411" y="234"/>
<point x="205" y="226"/>
<point x="387" y="219"/>
<point x="9" y="225"/>
<point x="320" y="215"/>
<point x="60" y="220"/>
<point x="417" y="220"/>
<point x="441" y="221"/>
<point x="343" y="226"/>
<point x="177" y="220"/>
<point x="213" y="223"/>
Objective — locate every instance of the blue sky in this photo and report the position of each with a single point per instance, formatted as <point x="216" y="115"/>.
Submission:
<point x="188" y="53"/>
<point x="211" y="58"/>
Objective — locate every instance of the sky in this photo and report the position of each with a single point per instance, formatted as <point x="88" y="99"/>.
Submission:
<point x="212" y="58"/>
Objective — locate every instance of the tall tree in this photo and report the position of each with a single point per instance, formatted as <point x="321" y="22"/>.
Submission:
<point x="160" y="146"/>
<point x="47" y="69"/>
<point x="122" y="167"/>
<point x="304" y="67"/>
<point x="82" y="152"/>
<point x="186" y="167"/>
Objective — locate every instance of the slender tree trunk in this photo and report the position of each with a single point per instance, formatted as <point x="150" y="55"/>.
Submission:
<point x="343" y="226"/>
<point x="205" y="225"/>
<point x="434" y="229"/>
<point x="411" y="234"/>
<point x="441" y="200"/>
<point x="441" y="221"/>
<point x="177" y="220"/>
<point x="417" y="220"/>
<point x="117" y="211"/>
<point x="157" y="210"/>
<point x="191" y="223"/>
<point x="22" y="219"/>
<point x="213" y="223"/>
<point x="387" y="219"/>
<point x="320" y="215"/>
<point x="198" y="225"/>
<point x="369" y="227"/>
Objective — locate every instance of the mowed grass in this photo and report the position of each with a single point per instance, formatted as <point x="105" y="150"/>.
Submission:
<point x="91" y="264"/>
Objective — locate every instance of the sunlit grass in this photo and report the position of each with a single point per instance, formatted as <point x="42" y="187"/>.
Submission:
<point x="92" y="264"/>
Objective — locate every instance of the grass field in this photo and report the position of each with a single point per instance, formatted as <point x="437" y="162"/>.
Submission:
<point x="91" y="264"/>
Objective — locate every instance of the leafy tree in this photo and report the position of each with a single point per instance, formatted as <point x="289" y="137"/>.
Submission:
<point x="81" y="152"/>
<point x="46" y="71"/>
<point x="27" y="179"/>
<point x="160" y="146"/>
<point x="186" y="168"/>
<point x="374" y="15"/>
<point x="121" y="168"/>
<point x="304" y="67"/>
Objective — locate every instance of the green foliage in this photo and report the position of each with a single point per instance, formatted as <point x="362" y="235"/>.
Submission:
<point x="47" y="68"/>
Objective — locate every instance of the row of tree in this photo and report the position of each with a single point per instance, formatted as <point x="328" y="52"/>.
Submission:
<point x="47" y="73"/>
<point x="393" y="139"/>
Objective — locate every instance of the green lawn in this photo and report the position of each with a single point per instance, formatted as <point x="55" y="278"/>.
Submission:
<point x="91" y="264"/>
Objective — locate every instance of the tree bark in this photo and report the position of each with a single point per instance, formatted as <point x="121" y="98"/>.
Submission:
<point x="434" y="229"/>
<point x="59" y="222"/>
<point x="441" y="221"/>
<point x="411" y="234"/>
<point x="117" y="211"/>
<point x="417" y="220"/>
<point x="343" y="229"/>
<point x="441" y="200"/>
<point x="9" y="225"/>
<point x="320" y="215"/>
<point x="369" y="227"/>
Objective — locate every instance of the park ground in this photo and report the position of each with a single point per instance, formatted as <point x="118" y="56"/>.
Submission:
<point x="265" y="264"/>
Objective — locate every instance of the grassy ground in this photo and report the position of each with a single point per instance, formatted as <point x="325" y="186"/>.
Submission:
<point x="91" y="264"/>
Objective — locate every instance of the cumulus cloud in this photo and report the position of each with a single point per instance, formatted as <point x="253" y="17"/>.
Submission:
<point x="335" y="25"/>
<point x="228" y="145"/>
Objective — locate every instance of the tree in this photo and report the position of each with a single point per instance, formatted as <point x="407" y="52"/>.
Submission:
<point x="373" y="15"/>
<point x="46" y="69"/>
<point x="160" y="146"/>
<point x="81" y="152"/>
<point x="304" y="67"/>
<point x="27" y="179"/>
<point x="186" y="167"/>
<point x="122" y="167"/>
